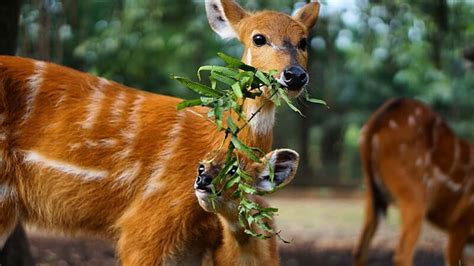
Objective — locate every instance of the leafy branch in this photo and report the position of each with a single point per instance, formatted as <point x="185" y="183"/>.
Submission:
<point x="230" y="87"/>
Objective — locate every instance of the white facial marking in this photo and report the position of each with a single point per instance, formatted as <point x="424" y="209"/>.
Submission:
<point x="118" y="107"/>
<point x="392" y="124"/>
<point x="411" y="121"/>
<point x="129" y="174"/>
<point x="263" y="122"/>
<point x="34" y="84"/>
<point x="35" y="158"/>
<point x="249" y="57"/>
<point x="164" y="157"/>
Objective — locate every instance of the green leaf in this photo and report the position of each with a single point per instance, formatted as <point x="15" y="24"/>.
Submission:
<point x="235" y="62"/>
<point x="313" y="100"/>
<point x="231" y="182"/>
<point x="245" y="149"/>
<point x="285" y="98"/>
<point x="225" y="71"/>
<point x="199" y="88"/>
<point x="231" y="125"/>
<point x="237" y="90"/>
<point x="259" y="74"/>
<point x="189" y="103"/>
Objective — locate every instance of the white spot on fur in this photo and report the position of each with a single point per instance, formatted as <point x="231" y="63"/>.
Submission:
<point x="419" y="161"/>
<point x="129" y="174"/>
<point x="446" y="180"/>
<point x="118" y="107"/>
<point x="74" y="146"/>
<point x="263" y="122"/>
<point x="34" y="84"/>
<point x="3" y="136"/>
<point x="392" y="124"/>
<point x="101" y="143"/>
<point x="411" y="121"/>
<point x="35" y="158"/>
<point x="164" y="157"/>
<point x="6" y="192"/>
<point x="418" y="111"/>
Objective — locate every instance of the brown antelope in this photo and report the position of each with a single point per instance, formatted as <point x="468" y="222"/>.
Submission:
<point x="81" y="154"/>
<point x="238" y="248"/>
<point x="412" y="157"/>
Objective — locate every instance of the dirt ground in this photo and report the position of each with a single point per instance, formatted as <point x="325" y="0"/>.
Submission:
<point x="322" y="227"/>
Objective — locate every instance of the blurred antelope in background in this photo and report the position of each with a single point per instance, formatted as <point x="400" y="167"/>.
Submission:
<point x="81" y="154"/>
<point x="237" y="247"/>
<point x="410" y="156"/>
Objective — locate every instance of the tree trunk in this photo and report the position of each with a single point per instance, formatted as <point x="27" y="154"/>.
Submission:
<point x="16" y="251"/>
<point x="9" y="15"/>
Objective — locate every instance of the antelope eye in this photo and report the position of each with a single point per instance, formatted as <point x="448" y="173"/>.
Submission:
<point x="201" y="169"/>
<point x="259" y="40"/>
<point x="303" y="44"/>
<point x="233" y="170"/>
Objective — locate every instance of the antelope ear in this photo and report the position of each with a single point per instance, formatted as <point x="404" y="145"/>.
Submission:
<point x="308" y="14"/>
<point x="284" y="163"/>
<point x="223" y="17"/>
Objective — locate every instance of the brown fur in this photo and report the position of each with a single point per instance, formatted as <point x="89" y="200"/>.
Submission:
<point x="79" y="154"/>
<point x="411" y="156"/>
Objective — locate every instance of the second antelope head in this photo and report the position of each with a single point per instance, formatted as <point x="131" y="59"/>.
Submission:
<point x="272" y="40"/>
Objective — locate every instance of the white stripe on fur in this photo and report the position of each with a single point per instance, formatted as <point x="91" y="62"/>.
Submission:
<point x="35" y="158"/>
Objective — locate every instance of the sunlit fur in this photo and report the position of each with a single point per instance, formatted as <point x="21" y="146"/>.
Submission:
<point x="238" y="248"/>
<point x="423" y="167"/>
<point x="86" y="155"/>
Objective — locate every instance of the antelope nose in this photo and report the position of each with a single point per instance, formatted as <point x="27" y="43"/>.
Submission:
<point x="295" y="77"/>
<point x="203" y="181"/>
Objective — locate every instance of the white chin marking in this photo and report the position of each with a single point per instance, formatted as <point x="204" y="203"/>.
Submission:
<point x="263" y="122"/>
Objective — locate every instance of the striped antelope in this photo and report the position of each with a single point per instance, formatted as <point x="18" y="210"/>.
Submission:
<point x="238" y="248"/>
<point x="411" y="156"/>
<point x="81" y="154"/>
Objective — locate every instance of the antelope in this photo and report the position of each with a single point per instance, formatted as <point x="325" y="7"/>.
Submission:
<point x="411" y="156"/>
<point x="237" y="247"/>
<point x="84" y="155"/>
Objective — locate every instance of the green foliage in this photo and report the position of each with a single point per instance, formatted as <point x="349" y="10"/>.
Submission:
<point x="361" y="54"/>
<point x="231" y="86"/>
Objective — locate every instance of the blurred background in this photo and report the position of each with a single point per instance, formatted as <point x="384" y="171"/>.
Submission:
<point x="362" y="53"/>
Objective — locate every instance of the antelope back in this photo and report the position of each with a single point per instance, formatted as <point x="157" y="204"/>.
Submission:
<point x="407" y="136"/>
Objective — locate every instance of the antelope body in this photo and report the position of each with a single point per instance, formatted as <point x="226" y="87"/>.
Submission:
<point x="81" y="154"/>
<point x="238" y="248"/>
<point x="411" y="156"/>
